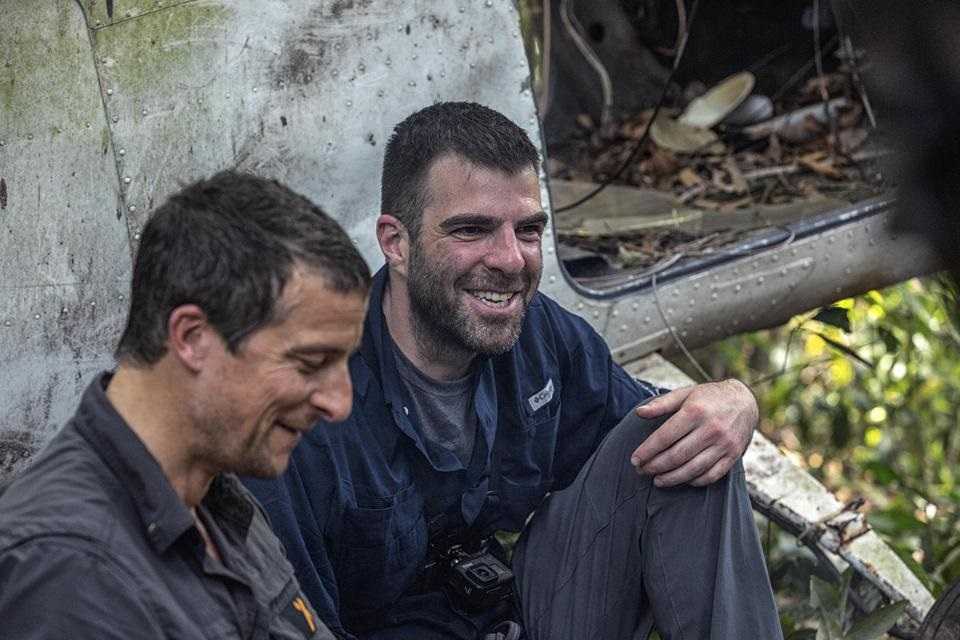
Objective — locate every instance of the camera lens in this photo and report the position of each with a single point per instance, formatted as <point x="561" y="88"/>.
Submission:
<point x="483" y="573"/>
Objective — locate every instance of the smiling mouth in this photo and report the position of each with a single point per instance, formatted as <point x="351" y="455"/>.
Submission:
<point x="494" y="298"/>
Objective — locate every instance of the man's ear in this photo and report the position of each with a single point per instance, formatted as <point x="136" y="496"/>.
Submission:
<point x="190" y="336"/>
<point x="394" y="242"/>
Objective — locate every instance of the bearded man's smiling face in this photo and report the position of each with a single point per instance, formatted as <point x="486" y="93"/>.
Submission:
<point x="476" y="263"/>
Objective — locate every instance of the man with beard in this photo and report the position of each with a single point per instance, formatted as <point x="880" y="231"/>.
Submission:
<point x="475" y="397"/>
<point x="246" y="302"/>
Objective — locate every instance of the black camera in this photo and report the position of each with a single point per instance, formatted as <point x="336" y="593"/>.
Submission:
<point x="474" y="580"/>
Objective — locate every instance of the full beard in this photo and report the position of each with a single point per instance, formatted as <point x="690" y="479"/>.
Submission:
<point x="443" y="328"/>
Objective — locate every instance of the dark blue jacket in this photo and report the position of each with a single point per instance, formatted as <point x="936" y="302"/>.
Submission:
<point x="353" y="507"/>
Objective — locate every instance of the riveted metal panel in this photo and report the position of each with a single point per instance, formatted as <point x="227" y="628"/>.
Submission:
<point x="64" y="252"/>
<point x="766" y="288"/>
<point x="306" y="92"/>
<point x="109" y="107"/>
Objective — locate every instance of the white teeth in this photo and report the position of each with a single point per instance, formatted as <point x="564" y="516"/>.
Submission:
<point x="492" y="296"/>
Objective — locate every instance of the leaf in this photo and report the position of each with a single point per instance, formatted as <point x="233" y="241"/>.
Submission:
<point x="890" y="340"/>
<point x="845" y="581"/>
<point x="883" y="473"/>
<point x="829" y="628"/>
<point x="835" y="317"/>
<point x="825" y="598"/>
<point x="877" y="623"/>
<point x="823" y="595"/>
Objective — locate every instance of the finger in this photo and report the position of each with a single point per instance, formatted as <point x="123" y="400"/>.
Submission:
<point x="694" y="468"/>
<point x="680" y="453"/>
<point x="716" y="472"/>
<point x="671" y="431"/>
<point x="667" y="403"/>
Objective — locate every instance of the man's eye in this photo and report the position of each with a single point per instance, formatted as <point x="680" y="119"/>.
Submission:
<point x="309" y="368"/>
<point x="469" y="231"/>
<point x="531" y="231"/>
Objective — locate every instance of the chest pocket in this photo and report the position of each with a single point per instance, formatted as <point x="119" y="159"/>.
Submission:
<point x="380" y="547"/>
<point x="525" y="451"/>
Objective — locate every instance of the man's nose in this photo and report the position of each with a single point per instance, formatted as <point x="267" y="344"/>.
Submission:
<point x="506" y="252"/>
<point x="334" y="398"/>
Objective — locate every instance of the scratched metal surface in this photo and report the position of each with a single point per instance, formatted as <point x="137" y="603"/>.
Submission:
<point x="306" y="92"/>
<point x="64" y="252"/>
<point x="106" y="107"/>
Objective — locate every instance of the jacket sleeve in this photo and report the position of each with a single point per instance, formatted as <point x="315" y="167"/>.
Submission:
<point x="58" y="588"/>
<point x="293" y="520"/>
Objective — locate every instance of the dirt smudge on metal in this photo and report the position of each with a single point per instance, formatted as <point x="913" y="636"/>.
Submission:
<point x="306" y="51"/>
<point x="340" y="6"/>
<point x="3" y="193"/>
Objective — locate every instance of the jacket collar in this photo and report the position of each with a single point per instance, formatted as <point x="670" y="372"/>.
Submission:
<point x="164" y="515"/>
<point x="377" y="353"/>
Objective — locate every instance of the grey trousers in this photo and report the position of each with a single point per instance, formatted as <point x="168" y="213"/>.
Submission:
<point x="612" y="556"/>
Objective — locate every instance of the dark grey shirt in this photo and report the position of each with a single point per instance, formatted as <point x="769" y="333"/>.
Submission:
<point x="95" y="543"/>
<point x="447" y="417"/>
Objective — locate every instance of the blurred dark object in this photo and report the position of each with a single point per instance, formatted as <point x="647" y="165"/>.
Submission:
<point x="914" y="79"/>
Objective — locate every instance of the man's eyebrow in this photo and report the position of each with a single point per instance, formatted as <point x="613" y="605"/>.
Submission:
<point x="313" y="351"/>
<point x="468" y="220"/>
<point x="481" y="220"/>
<point x="540" y="217"/>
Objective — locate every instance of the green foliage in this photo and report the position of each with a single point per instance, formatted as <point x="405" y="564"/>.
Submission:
<point x="865" y="394"/>
<point x="833" y="615"/>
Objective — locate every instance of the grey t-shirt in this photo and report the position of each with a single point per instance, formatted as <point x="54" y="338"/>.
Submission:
<point x="447" y="417"/>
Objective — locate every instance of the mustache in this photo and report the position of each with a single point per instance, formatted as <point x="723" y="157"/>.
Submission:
<point x="496" y="281"/>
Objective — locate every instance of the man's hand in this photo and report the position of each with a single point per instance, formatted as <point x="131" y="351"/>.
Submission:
<point x="709" y="430"/>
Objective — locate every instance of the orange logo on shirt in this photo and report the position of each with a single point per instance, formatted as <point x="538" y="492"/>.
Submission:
<point x="300" y="605"/>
